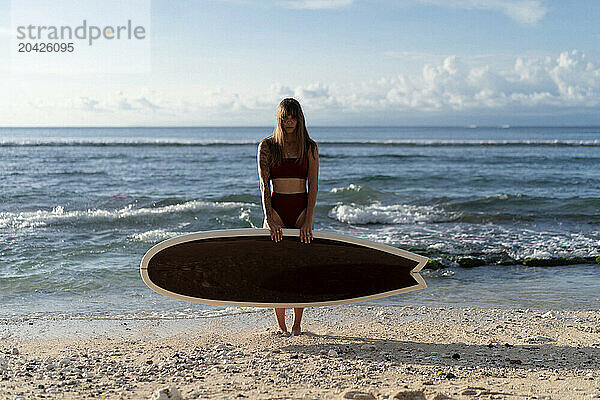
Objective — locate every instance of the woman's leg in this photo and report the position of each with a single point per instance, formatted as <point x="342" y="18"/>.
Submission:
<point x="297" y="321"/>
<point x="280" y="315"/>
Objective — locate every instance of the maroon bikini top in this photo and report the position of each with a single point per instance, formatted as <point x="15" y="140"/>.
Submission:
<point x="289" y="168"/>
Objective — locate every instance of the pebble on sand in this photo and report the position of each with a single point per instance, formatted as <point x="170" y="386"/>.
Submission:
<point x="358" y="395"/>
<point x="167" y="393"/>
<point x="409" y="395"/>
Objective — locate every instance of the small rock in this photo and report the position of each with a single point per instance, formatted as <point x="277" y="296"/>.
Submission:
<point x="358" y="395"/>
<point x="450" y="375"/>
<point x="369" y="347"/>
<point x="19" y="397"/>
<point x="456" y="356"/>
<point x="469" y="392"/>
<point x="167" y="393"/>
<point x="549" y="314"/>
<point x="332" y="353"/>
<point x="14" y="351"/>
<point x="409" y="395"/>
<point x="539" y="339"/>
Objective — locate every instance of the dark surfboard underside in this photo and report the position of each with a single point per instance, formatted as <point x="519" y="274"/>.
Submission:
<point x="254" y="269"/>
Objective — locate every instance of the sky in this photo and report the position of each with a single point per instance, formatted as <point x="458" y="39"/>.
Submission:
<point x="348" y="62"/>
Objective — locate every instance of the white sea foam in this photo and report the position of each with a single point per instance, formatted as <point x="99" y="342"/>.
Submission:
<point x="169" y="314"/>
<point x="445" y="247"/>
<point x="350" y="188"/>
<point x="442" y="273"/>
<point x="462" y="239"/>
<point x="245" y="215"/>
<point x="39" y="218"/>
<point x="55" y="142"/>
<point x="551" y="244"/>
<point x="467" y="142"/>
<point x="153" y="236"/>
<point x="380" y="214"/>
<point x="516" y="242"/>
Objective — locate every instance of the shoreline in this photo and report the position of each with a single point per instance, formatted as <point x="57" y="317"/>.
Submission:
<point x="370" y="351"/>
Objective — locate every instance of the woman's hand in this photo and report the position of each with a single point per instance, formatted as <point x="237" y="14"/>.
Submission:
<point x="275" y="224"/>
<point x="306" y="230"/>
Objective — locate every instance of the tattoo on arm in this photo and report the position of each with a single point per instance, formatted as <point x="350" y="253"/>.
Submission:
<point x="313" y="181"/>
<point x="264" y="174"/>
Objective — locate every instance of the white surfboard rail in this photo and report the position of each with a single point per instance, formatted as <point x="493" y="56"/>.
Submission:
<point x="190" y="237"/>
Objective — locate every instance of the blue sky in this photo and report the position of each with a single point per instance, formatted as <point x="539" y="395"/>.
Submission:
<point x="349" y="62"/>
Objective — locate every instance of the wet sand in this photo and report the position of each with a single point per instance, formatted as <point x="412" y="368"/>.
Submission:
<point x="359" y="351"/>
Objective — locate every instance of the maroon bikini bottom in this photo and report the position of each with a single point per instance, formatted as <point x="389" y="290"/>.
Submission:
<point x="289" y="206"/>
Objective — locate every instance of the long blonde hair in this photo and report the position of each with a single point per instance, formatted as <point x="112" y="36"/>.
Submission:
<point x="292" y="108"/>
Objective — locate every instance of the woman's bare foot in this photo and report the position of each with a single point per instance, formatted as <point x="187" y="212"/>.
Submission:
<point x="280" y="316"/>
<point x="297" y="321"/>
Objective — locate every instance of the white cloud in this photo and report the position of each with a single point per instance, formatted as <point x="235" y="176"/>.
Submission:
<point x="313" y="91"/>
<point x="88" y="104"/>
<point x="124" y="104"/>
<point x="540" y="85"/>
<point x="447" y="86"/>
<point x="569" y="80"/>
<point x="145" y="103"/>
<point x="451" y="86"/>
<point x="279" y="90"/>
<point x="523" y="11"/>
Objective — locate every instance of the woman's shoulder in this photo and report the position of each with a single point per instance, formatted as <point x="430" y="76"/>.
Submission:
<point x="265" y="146"/>
<point x="266" y="142"/>
<point x="314" y="148"/>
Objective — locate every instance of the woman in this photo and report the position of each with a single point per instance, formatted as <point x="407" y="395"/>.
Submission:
<point x="290" y="159"/>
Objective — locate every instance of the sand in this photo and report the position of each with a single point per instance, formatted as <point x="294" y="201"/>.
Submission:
<point x="357" y="351"/>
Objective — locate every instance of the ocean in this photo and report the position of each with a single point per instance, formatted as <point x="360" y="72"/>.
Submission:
<point x="80" y="206"/>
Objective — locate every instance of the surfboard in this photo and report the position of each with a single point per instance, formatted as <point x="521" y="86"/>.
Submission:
<point x="244" y="267"/>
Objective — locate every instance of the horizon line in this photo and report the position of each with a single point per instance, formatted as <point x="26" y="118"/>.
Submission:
<point x="471" y="126"/>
